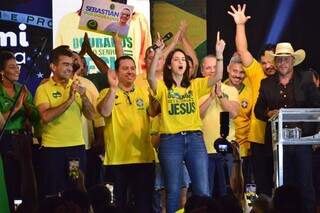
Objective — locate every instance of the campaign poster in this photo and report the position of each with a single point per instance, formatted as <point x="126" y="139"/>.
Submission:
<point x="66" y="19"/>
<point x="106" y="17"/>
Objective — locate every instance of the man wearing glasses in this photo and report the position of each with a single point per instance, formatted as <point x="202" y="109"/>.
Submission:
<point x="121" y="27"/>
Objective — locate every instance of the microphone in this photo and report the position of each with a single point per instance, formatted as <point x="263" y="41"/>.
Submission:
<point x="165" y="38"/>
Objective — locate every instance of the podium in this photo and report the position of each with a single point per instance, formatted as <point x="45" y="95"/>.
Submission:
<point x="282" y="136"/>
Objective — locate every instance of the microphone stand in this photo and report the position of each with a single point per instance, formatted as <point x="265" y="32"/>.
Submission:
<point x="33" y="61"/>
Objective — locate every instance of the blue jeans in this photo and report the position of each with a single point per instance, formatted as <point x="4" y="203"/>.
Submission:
<point x="173" y="149"/>
<point x="217" y="173"/>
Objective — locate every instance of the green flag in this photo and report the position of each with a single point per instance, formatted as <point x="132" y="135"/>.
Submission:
<point x="4" y="204"/>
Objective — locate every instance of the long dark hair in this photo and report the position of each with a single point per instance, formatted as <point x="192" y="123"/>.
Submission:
<point x="167" y="73"/>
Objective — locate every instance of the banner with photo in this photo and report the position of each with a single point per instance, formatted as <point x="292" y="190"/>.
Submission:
<point x="105" y="17"/>
<point x="167" y="15"/>
<point x="66" y="19"/>
<point x="25" y="28"/>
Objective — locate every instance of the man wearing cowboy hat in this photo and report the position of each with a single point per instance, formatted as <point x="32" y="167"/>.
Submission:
<point x="291" y="89"/>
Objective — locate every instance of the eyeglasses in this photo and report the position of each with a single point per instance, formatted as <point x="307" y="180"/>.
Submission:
<point x="283" y="59"/>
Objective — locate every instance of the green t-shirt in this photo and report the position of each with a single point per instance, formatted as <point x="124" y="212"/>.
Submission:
<point x="17" y="121"/>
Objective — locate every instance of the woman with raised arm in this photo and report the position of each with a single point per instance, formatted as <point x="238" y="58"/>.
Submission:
<point x="180" y="123"/>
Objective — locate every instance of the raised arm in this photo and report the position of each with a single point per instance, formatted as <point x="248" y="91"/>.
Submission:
<point x="151" y="73"/>
<point x="188" y="47"/>
<point x="118" y="45"/>
<point x="172" y="45"/>
<point x="241" y="40"/>
<point x="220" y="45"/>
<point x="106" y="104"/>
<point x="86" y="48"/>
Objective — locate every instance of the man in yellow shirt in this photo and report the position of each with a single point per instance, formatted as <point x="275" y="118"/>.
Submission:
<point x="61" y="102"/>
<point x="237" y="78"/>
<point x="255" y="71"/>
<point x="129" y="154"/>
<point x="222" y="98"/>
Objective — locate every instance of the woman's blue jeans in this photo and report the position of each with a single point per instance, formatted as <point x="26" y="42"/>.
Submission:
<point x="175" y="148"/>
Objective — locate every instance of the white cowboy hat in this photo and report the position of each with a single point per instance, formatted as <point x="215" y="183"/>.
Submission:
<point x="285" y="49"/>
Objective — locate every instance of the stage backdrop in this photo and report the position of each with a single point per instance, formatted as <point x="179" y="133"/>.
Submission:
<point x="26" y="26"/>
<point x="167" y="14"/>
<point x="271" y="21"/>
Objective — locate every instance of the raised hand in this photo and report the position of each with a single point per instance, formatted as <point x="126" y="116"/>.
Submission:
<point x="220" y="45"/>
<point x="113" y="79"/>
<point x="239" y="14"/>
<point x="160" y="44"/>
<point x="183" y="27"/>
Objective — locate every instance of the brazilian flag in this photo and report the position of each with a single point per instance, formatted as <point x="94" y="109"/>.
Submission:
<point x="4" y="204"/>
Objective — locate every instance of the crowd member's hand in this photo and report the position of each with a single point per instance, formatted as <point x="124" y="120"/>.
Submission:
<point x="239" y="14"/>
<point x="220" y="45"/>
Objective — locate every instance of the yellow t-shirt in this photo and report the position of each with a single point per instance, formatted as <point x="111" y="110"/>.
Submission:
<point x="134" y="45"/>
<point x="211" y="120"/>
<point x="98" y="121"/>
<point x="255" y="74"/>
<point x="66" y="129"/>
<point x="180" y="106"/>
<point x="127" y="133"/>
<point x="242" y="121"/>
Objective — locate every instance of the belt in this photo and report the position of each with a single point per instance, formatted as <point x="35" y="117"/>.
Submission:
<point x="188" y="132"/>
<point x="17" y="132"/>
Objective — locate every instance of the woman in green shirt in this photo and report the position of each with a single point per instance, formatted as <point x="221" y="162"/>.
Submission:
<point x="15" y="143"/>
